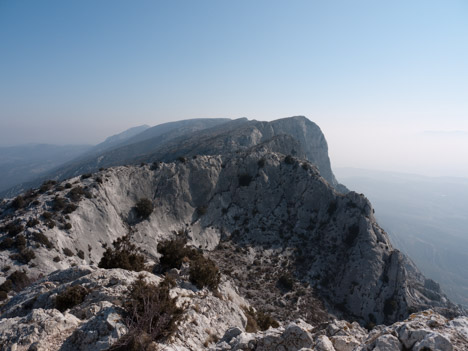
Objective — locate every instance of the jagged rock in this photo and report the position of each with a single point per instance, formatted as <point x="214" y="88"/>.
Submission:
<point x="323" y="343"/>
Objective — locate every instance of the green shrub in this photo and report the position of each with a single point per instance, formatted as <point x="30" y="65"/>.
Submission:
<point x="258" y="320"/>
<point x="7" y="243"/>
<point x="59" y="203"/>
<point x="67" y="252"/>
<point x="69" y="208"/>
<point x="3" y="295"/>
<point x="181" y="159"/>
<point x="43" y="239"/>
<point x="86" y="176"/>
<point x="24" y="256"/>
<point x="20" y="242"/>
<point x="70" y="297"/>
<point x="80" y="254"/>
<point x="204" y="272"/>
<point x="47" y="185"/>
<point x="19" y="280"/>
<point x="57" y="259"/>
<point x="13" y="228"/>
<point x="172" y="253"/>
<point x="18" y="202"/>
<point x="152" y="315"/>
<point x="50" y="223"/>
<point x="143" y="208"/>
<point x="76" y="193"/>
<point x="244" y="179"/>
<point x="47" y="215"/>
<point x="32" y="222"/>
<point x="68" y="186"/>
<point x="67" y="226"/>
<point x="124" y="255"/>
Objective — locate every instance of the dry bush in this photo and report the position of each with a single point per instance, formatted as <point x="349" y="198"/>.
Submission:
<point x="70" y="297"/>
<point x="151" y="315"/>
<point x="143" y="208"/>
<point x="124" y="255"/>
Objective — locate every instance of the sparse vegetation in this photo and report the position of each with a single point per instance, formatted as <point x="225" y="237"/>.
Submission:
<point x="67" y="226"/>
<point x="80" y="254"/>
<point x="204" y="272"/>
<point x="67" y="252"/>
<point x="152" y="315"/>
<point x="143" y="208"/>
<point x="42" y="239"/>
<point x="47" y="185"/>
<point x="59" y="203"/>
<point x="261" y="163"/>
<point x="124" y="255"/>
<point x="32" y="222"/>
<point x="70" y="297"/>
<point x="18" y="202"/>
<point x="173" y="253"/>
<point x="181" y="159"/>
<point x="69" y="208"/>
<point x="258" y="320"/>
<point x="76" y="193"/>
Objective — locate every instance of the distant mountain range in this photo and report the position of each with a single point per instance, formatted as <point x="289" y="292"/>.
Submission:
<point x="166" y="142"/>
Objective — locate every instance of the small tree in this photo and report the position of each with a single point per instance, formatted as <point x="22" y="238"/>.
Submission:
<point x="144" y="207"/>
<point x="124" y="255"/>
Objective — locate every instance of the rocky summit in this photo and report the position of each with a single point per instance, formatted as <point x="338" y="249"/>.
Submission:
<point x="237" y="237"/>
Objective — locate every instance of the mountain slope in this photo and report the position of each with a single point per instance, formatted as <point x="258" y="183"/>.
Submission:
<point x="269" y="205"/>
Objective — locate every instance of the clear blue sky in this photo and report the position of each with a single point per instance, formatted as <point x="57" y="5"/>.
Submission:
<point x="375" y="75"/>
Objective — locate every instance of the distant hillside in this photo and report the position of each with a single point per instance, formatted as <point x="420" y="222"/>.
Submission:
<point x="425" y="217"/>
<point x="23" y="163"/>
<point x="168" y="141"/>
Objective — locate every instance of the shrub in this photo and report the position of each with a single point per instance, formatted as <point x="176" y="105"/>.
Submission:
<point x="20" y="242"/>
<point x="244" y="179"/>
<point x="154" y="166"/>
<point x="7" y="243"/>
<point x="67" y="252"/>
<point x="59" y="203"/>
<point x="151" y="315"/>
<point x="286" y="282"/>
<point x="24" y="256"/>
<point x="50" y="223"/>
<point x="70" y="297"/>
<point x="124" y="255"/>
<point x="18" y="202"/>
<point x="67" y="226"/>
<point x="13" y="228"/>
<point x="261" y="163"/>
<point x="47" y="185"/>
<point x="43" y="239"/>
<point x="57" y="259"/>
<point x="3" y="295"/>
<point x="204" y="272"/>
<point x="32" y="222"/>
<point x="80" y="254"/>
<point x="86" y="176"/>
<point x="289" y="160"/>
<point x="181" y="159"/>
<point x="47" y="215"/>
<point x="143" y="208"/>
<point x="68" y="186"/>
<point x="69" y="208"/>
<point x="19" y="280"/>
<point x="75" y="193"/>
<point x="173" y="253"/>
<point x="201" y="210"/>
<point x="258" y="320"/>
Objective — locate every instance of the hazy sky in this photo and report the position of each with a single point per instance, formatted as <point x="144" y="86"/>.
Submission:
<point x="387" y="81"/>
